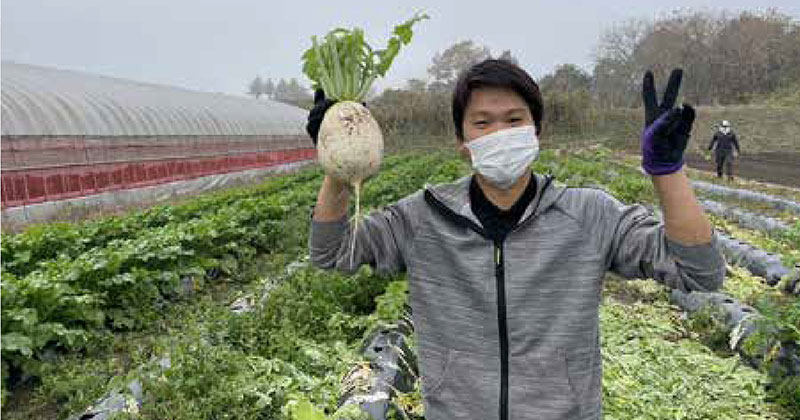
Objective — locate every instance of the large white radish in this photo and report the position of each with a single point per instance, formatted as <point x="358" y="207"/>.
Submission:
<point x="350" y="149"/>
<point x="350" y="143"/>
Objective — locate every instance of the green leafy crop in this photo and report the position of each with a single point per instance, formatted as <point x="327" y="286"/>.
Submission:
<point x="344" y="65"/>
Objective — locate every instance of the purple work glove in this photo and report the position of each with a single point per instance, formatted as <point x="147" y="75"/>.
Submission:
<point x="666" y="129"/>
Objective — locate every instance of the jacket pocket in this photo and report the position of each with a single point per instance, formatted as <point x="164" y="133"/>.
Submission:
<point x="585" y="372"/>
<point x="437" y="366"/>
<point x="460" y="386"/>
<point x="541" y="388"/>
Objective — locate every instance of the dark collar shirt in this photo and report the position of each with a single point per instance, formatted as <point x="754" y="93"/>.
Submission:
<point x="496" y="221"/>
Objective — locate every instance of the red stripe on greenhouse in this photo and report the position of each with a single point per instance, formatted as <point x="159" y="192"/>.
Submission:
<point x="30" y="186"/>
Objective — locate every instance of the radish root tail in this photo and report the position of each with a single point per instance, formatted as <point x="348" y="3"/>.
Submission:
<point x="356" y="218"/>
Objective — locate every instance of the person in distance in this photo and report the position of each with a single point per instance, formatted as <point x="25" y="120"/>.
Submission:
<point x="726" y="148"/>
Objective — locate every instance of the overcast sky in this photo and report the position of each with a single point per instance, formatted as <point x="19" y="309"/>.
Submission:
<point x="222" y="45"/>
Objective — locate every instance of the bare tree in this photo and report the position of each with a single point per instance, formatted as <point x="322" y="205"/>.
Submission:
<point x="726" y="58"/>
<point x="448" y="65"/>
<point x="256" y="87"/>
<point x="616" y="74"/>
<point x="566" y="78"/>
<point x="416" y="85"/>
<point x="269" y="89"/>
<point x="291" y="92"/>
<point x="281" y="90"/>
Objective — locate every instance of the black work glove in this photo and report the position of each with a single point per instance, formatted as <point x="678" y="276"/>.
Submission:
<point x="667" y="129"/>
<point x="317" y="113"/>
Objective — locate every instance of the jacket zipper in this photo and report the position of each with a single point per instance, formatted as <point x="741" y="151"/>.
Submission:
<point x="502" y="326"/>
<point x="502" y="319"/>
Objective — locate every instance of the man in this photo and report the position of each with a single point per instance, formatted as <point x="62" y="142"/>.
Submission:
<point x="505" y="268"/>
<point x="724" y="153"/>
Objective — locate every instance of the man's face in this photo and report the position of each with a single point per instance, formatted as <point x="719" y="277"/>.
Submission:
<point x="491" y="109"/>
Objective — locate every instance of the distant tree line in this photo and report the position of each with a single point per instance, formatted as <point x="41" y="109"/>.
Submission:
<point x="727" y="58"/>
<point x="286" y="91"/>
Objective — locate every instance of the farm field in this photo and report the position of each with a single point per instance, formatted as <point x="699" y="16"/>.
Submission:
<point x="211" y="308"/>
<point x="775" y="167"/>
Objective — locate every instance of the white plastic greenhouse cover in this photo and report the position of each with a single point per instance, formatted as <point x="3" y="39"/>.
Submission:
<point x="45" y="101"/>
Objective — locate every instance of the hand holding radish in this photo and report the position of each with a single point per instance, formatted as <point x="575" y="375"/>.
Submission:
<point x="343" y="66"/>
<point x="317" y="113"/>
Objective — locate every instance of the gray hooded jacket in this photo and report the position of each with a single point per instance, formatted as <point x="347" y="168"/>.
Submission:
<point x="510" y="330"/>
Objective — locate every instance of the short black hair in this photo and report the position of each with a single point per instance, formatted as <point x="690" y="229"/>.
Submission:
<point x="499" y="74"/>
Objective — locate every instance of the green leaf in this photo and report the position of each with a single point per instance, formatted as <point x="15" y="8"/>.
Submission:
<point x="345" y="66"/>
<point x="25" y="316"/>
<point x="17" y="342"/>
<point x="24" y="256"/>
<point x="404" y="32"/>
<point x="304" y="410"/>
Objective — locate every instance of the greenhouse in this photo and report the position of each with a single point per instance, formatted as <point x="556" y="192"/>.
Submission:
<point x="69" y="135"/>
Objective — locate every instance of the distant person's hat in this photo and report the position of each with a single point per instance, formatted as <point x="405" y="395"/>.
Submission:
<point x="725" y="123"/>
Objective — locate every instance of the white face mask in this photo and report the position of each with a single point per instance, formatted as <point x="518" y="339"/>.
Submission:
<point x="504" y="156"/>
<point x="726" y="130"/>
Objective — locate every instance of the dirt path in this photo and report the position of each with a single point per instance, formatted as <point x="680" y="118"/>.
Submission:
<point x="778" y="168"/>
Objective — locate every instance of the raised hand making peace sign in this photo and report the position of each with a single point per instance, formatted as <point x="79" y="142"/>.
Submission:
<point x="666" y="128"/>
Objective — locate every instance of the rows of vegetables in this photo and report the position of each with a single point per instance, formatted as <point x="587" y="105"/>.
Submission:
<point x="104" y="299"/>
<point x="67" y="297"/>
<point x="775" y="332"/>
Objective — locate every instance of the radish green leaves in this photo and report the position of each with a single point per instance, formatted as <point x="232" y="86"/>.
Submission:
<point x="344" y="65"/>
